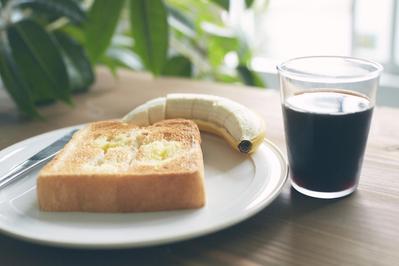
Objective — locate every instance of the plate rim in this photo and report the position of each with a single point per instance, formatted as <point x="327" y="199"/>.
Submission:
<point x="156" y="242"/>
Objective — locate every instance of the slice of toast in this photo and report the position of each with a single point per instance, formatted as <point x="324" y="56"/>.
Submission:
<point x="110" y="166"/>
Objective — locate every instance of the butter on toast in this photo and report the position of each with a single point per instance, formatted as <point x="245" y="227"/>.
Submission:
<point x="111" y="166"/>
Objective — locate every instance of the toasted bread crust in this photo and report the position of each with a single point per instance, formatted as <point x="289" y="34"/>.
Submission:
<point x="177" y="183"/>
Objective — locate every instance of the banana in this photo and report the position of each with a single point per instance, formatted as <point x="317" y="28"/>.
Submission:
<point x="148" y="113"/>
<point x="203" y="106"/>
<point x="179" y="105"/>
<point x="156" y="109"/>
<point x="139" y="115"/>
<point x="242" y="128"/>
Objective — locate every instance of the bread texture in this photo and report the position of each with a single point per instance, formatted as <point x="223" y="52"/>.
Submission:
<point x="111" y="166"/>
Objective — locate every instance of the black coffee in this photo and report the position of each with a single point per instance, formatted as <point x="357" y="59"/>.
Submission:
<point x="326" y="134"/>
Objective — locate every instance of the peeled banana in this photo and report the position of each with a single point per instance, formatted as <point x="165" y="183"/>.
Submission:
<point x="243" y="129"/>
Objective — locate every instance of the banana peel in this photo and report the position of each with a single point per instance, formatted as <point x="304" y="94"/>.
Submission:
<point x="245" y="132"/>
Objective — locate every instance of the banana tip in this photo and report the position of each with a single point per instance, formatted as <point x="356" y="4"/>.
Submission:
<point x="245" y="146"/>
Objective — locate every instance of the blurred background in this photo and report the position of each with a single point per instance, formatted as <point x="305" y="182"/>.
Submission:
<point x="49" y="48"/>
<point x="359" y="28"/>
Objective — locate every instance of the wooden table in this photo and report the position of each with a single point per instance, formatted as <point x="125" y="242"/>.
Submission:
<point x="362" y="229"/>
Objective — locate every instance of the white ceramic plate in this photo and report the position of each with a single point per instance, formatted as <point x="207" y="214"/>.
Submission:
<point x="237" y="187"/>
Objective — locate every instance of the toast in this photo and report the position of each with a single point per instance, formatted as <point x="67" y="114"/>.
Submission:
<point x="111" y="166"/>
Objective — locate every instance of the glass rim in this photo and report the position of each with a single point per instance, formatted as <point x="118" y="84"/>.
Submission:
<point x="313" y="77"/>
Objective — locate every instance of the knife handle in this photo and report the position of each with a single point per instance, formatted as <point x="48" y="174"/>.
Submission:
<point x="42" y="156"/>
<point x="17" y="172"/>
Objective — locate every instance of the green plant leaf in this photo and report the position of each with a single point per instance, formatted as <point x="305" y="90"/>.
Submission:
<point x="120" y="57"/>
<point x="100" y="27"/>
<point x="249" y="3"/>
<point x="39" y="60"/>
<point x="178" y="66"/>
<point x="111" y="63"/>
<point x="13" y="82"/>
<point x="124" y="57"/>
<point x="78" y="65"/>
<point x="222" y="3"/>
<point x="180" y="16"/>
<point x="250" y="77"/>
<point x="218" y="47"/>
<point x="3" y="3"/>
<point x="181" y="22"/>
<point x="150" y="32"/>
<point x="74" y="32"/>
<point x="55" y="9"/>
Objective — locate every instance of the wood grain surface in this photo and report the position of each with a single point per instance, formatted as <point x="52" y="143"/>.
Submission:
<point x="362" y="229"/>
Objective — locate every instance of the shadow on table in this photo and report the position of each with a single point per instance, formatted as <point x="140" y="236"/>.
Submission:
<point x="278" y="229"/>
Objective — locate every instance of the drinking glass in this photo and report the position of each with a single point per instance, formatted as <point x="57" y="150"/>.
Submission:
<point x="327" y="104"/>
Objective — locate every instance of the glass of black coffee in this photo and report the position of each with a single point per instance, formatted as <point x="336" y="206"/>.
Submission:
<point x="327" y="104"/>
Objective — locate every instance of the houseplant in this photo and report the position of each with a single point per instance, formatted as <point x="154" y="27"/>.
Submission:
<point x="48" y="48"/>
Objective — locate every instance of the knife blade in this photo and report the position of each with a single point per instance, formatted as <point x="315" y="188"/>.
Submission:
<point x="42" y="156"/>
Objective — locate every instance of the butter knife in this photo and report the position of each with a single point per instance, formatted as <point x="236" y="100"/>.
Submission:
<point x="42" y="156"/>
